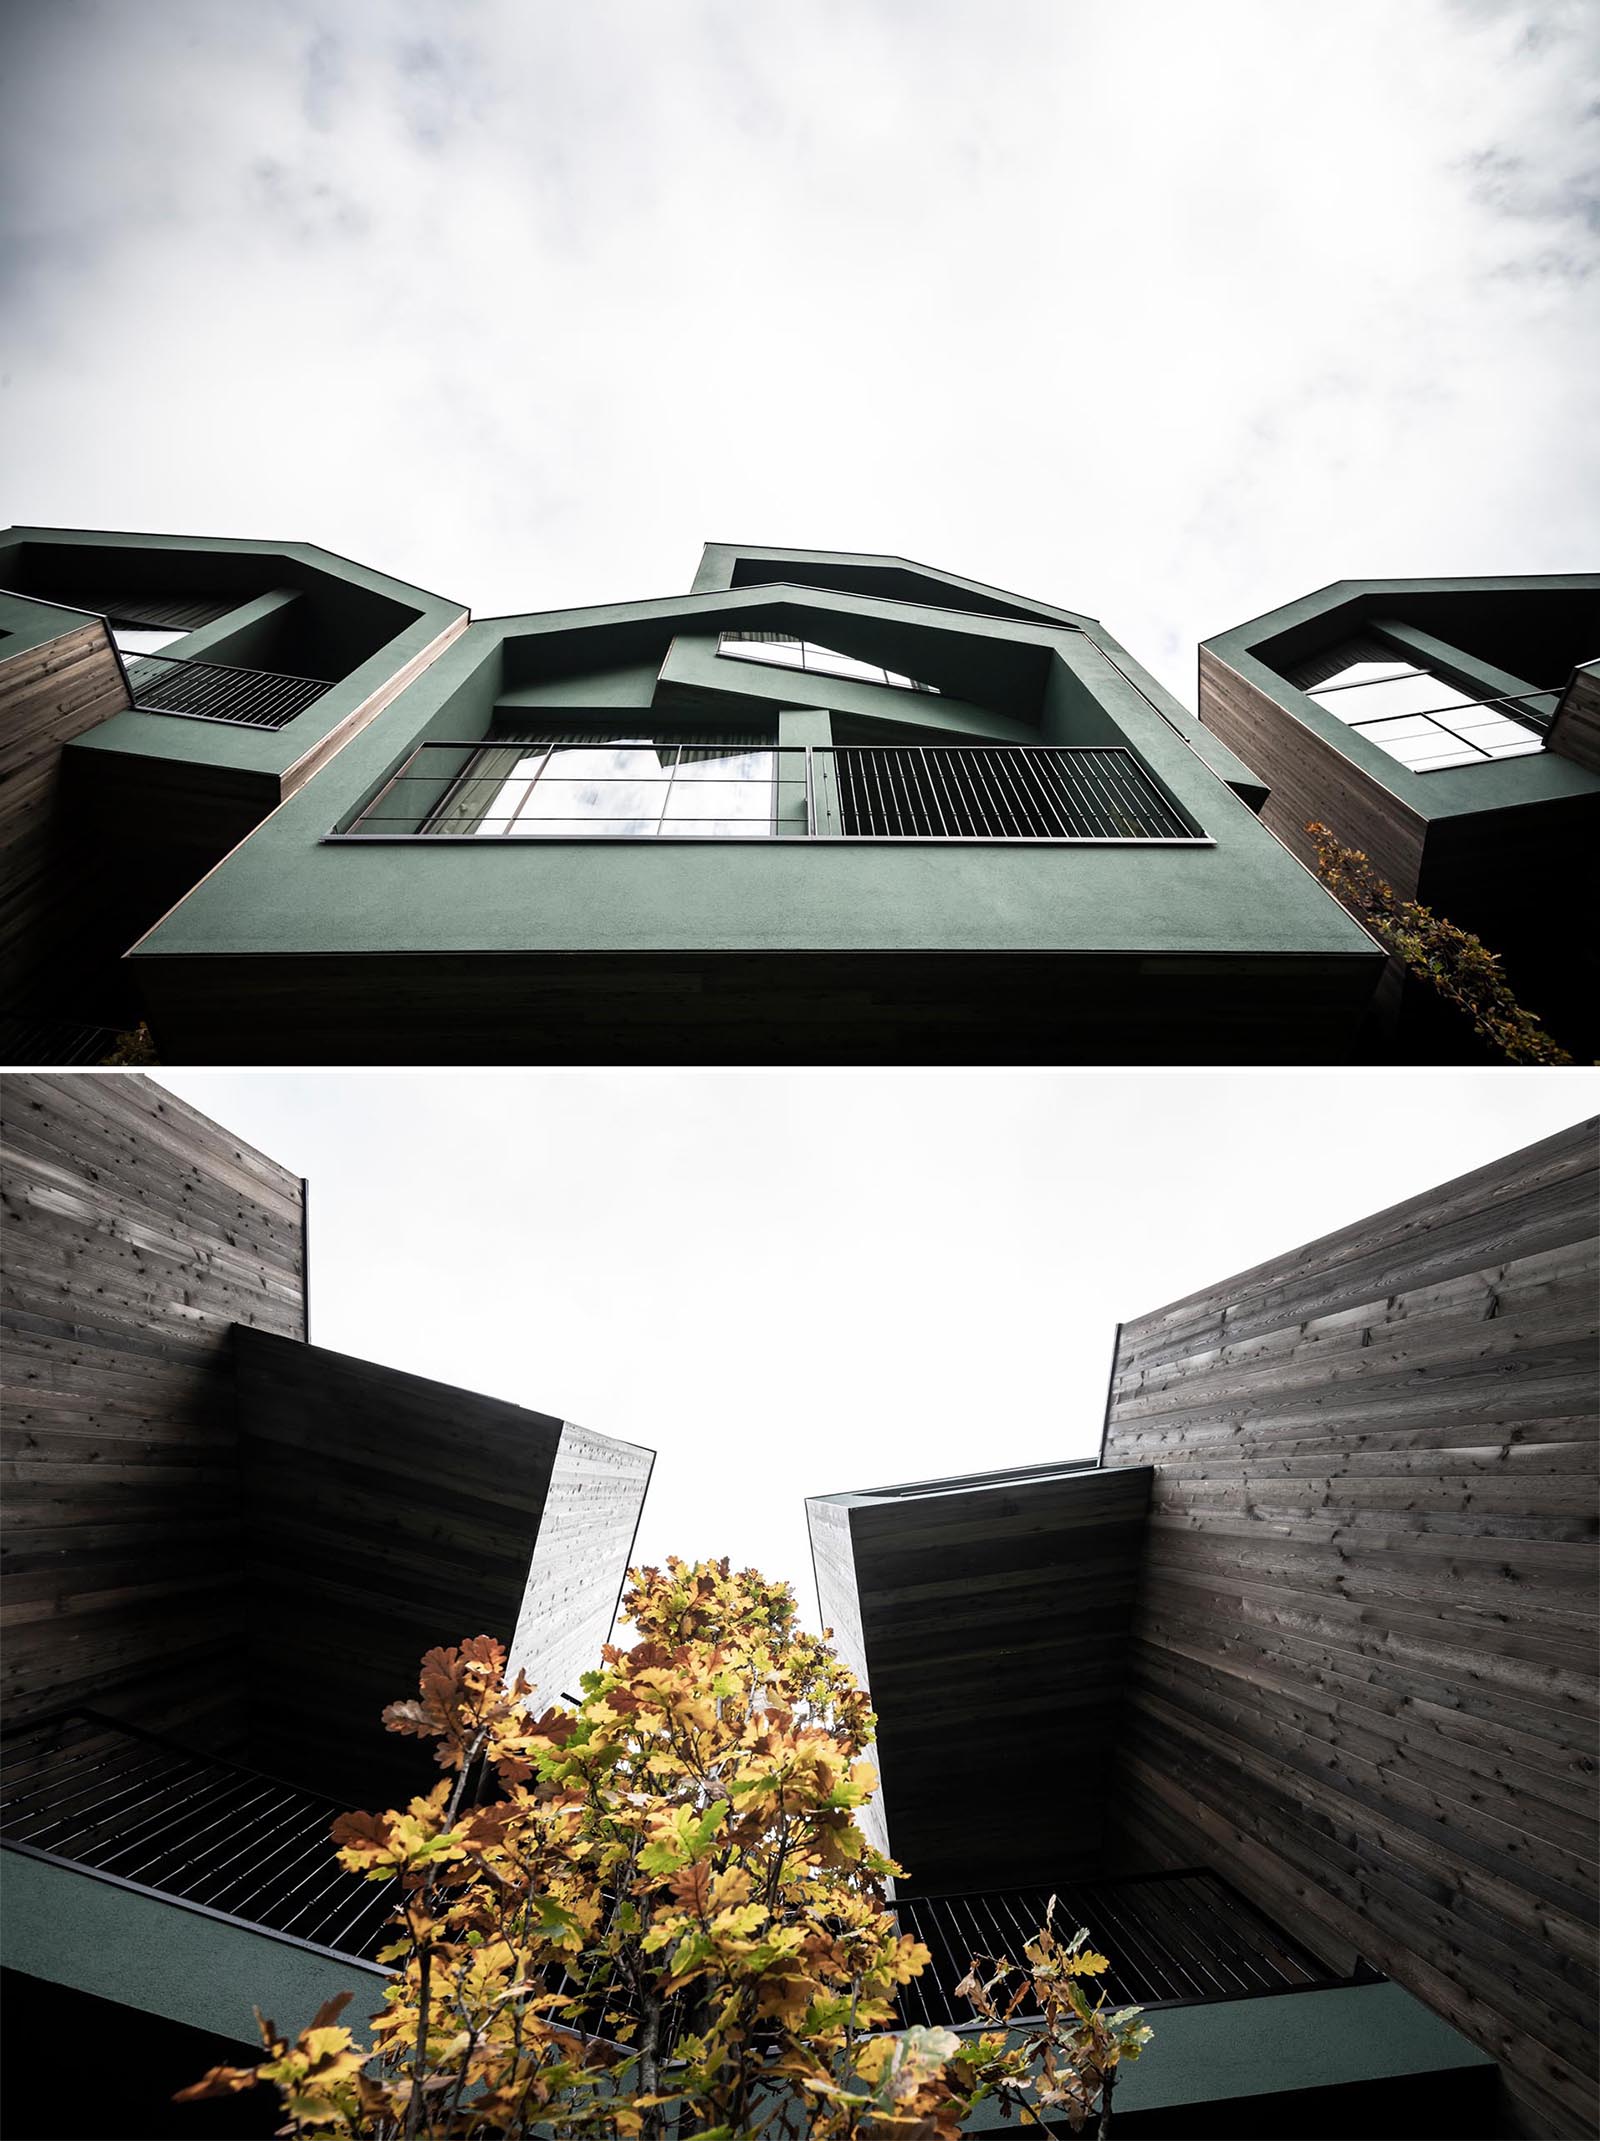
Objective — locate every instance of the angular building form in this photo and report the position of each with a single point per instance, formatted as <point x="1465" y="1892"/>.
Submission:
<point x="1450" y="729"/>
<point x="823" y="807"/>
<point x="226" y="1550"/>
<point x="1293" y="1696"/>
<point x="159" y="697"/>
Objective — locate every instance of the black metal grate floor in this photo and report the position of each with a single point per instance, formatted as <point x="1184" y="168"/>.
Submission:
<point x="89" y="1791"/>
<point x="1172" y="1940"/>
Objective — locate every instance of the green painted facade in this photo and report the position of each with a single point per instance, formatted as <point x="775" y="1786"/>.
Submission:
<point x="165" y="1957"/>
<point x="1279" y="2047"/>
<point x="292" y="608"/>
<point x="312" y="883"/>
<point x="1503" y="847"/>
<point x="1438" y="621"/>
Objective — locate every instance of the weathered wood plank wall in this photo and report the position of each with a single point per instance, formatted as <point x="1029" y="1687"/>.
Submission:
<point x="591" y="1512"/>
<point x="384" y="1513"/>
<point x="1309" y="781"/>
<point x="1575" y="731"/>
<point x="136" y="1234"/>
<point x="48" y="695"/>
<point x="992" y="1622"/>
<point x="1364" y="1664"/>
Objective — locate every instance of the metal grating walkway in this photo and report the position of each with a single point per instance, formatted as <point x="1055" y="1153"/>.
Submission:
<point x="1173" y="1940"/>
<point x="89" y="1792"/>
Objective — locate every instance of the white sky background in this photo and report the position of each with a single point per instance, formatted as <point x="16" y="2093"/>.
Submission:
<point x="791" y="1283"/>
<point x="1166" y="311"/>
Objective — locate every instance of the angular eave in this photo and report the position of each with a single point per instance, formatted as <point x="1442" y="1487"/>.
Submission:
<point x="719" y="562"/>
<point x="315" y="555"/>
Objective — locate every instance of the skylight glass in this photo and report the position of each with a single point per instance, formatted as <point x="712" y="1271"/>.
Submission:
<point x="1423" y="723"/>
<point x="781" y="651"/>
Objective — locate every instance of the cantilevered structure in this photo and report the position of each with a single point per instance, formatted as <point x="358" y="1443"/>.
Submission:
<point x="1325" y="1787"/>
<point x="825" y="806"/>
<point x="1449" y="729"/>
<point x="226" y="1549"/>
<point x="159" y="696"/>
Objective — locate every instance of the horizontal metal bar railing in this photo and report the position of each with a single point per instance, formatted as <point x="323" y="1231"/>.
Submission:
<point x="218" y="691"/>
<point x="91" y="1792"/>
<point x="533" y="788"/>
<point x="1172" y="1940"/>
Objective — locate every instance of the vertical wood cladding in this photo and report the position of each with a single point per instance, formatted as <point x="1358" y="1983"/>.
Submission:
<point x="137" y="1233"/>
<point x="48" y="695"/>
<point x="1363" y="1670"/>
<point x="1309" y="781"/>
<point x="591" y="1512"/>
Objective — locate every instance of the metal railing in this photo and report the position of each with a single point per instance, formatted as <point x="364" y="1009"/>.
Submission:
<point x="638" y="789"/>
<point x="87" y="1791"/>
<point x="217" y="691"/>
<point x="1172" y="1939"/>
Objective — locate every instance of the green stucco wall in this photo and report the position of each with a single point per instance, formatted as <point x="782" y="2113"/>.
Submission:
<point x="1448" y="792"/>
<point x="358" y="628"/>
<point x="286" y="891"/>
<point x="144" y="1951"/>
<point x="1279" y="2043"/>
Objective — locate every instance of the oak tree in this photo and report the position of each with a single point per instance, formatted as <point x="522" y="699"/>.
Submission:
<point x="650" y="1914"/>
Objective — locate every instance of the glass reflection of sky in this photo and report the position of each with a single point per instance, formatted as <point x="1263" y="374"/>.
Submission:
<point x="776" y="649"/>
<point x="633" y="789"/>
<point x="1427" y="725"/>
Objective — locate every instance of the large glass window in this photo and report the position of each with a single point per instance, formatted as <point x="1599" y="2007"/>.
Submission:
<point x="626" y="787"/>
<point x="780" y="650"/>
<point x="1427" y="725"/>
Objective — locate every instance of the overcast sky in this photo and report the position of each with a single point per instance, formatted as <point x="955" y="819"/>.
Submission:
<point x="790" y="1283"/>
<point x="1166" y="310"/>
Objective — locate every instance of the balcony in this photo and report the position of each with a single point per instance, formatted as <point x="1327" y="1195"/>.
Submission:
<point x="218" y="691"/>
<point x="1172" y="1939"/>
<point x="742" y="789"/>
<point x="85" y="1792"/>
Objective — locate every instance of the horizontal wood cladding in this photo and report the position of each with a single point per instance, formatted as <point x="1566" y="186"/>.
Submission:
<point x="383" y="1514"/>
<point x="992" y="1625"/>
<point x="1308" y="779"/>
<point x="1363" y="1668"/>
<point x="1575" y="731"/>
<point x="48" y="695"/>
<point x="737" y="1007"/>
<point x="137" y="1234"/>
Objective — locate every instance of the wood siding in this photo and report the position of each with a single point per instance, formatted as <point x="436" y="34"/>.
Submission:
<point x="137" y="1233"/>
<point x="591" y="1512"/>
<point x="736" y="1007"/>
<point x="1575" y="731"/>
<point x="1363" y="1670"/>
<point x="839" y="1603"/>
<point x="1308" y="780"/>
<point x="48" y="695"/>
<point x="992" y="1626"/>
<point x="383" y="1513"/>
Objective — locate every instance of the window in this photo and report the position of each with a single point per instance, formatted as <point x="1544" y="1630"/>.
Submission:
<point x="1427" y="725"/>
<point x="778" y="649"/>
<point x="138" y="639"/>
<point x="626" y="787"/>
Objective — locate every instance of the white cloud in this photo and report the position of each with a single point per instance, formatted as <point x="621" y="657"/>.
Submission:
<point x="1164" y="312"/>
<point x="792" y="1283"/>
